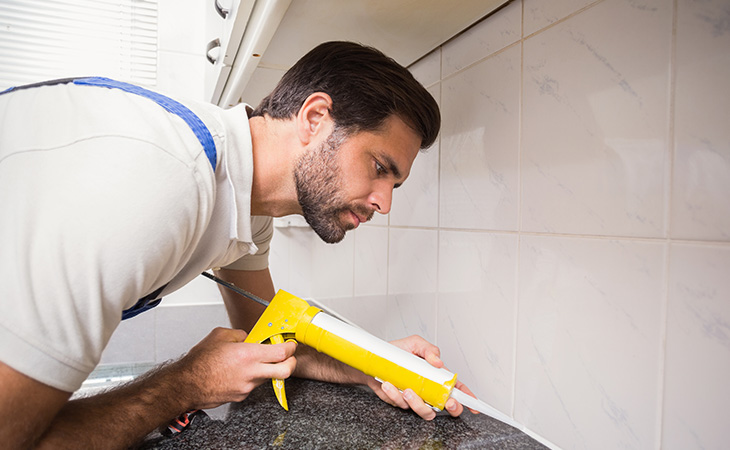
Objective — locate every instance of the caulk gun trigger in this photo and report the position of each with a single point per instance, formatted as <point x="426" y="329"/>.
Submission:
<point x="279" y="384"/>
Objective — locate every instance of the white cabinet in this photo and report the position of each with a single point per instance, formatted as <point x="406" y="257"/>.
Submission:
<point x="266" y="37"/>
<point x="242" y="31"/>
<point x="226" y="21"/>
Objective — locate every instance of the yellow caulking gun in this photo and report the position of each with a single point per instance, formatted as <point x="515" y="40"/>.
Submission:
<point x="289" y="317"/>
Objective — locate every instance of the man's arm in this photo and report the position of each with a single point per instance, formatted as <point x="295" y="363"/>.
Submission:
<point x="243" y="312"/>
<point x="311" y="364"/>
<point x="26" y="406"/>
<point x="220" y="369"/>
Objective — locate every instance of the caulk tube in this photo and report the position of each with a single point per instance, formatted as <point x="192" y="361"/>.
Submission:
<point x="377" y="358"/>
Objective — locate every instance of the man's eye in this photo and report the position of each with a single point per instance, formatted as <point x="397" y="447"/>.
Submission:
<point x="380" y="169"/>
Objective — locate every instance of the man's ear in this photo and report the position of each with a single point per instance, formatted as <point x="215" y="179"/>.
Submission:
<point x="314" y="117"/>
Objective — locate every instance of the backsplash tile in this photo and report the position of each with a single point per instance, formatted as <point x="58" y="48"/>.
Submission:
<point x="483" y="39"/>
<point x="412" y="283"/>
<point x="477" y="311"/>
<point x="332" y="272"/>
<point x="589" y="340"/>
<point x="180" y="28"/>
<point x="698" y="348"/>
<point x="178" y="329"/>
<point x="132" y="342"/>
<point x="540" y="14"/>
<point x="594" y="123"/>
<point x="371" y="261"/>
<point x="479" y="145"/>
<point x="700" y="206"/>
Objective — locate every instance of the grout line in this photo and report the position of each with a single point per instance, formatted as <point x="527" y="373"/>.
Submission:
<point x="664" y="312"/>
<point x="663" y="327"/>
<point x="522" y="38"/>
<point x="648" y="239"/>
<point x="564" y="19"/>
<point x="491" y="55"/>
<point x="516" y="307"/>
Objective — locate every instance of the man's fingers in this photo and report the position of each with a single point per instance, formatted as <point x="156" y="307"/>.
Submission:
<point x="394" y="395"/>
<point x="420" y="347"/>
<point x="276" y="361"/>
<point x="453" y="407"/>
<point x="418" y="406"/>
<point x="275" y="353"/>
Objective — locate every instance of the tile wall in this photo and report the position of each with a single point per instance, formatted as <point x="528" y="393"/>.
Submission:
<point x="567" y="240"/>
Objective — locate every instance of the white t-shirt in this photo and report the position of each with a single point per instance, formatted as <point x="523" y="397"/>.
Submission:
<point x="104" y="198"/>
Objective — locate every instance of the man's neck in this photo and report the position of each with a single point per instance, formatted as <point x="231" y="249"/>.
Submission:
<point x="275" y="149"/>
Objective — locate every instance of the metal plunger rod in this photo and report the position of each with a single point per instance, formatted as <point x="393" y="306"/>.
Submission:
<point x="236" y="289"/>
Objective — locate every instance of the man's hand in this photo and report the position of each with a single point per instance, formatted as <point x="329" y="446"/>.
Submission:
<point x="408" y="398"/>
<point x="222" y="369"/>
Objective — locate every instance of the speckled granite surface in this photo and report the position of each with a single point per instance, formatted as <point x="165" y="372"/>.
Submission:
<point x="329" y="416"/>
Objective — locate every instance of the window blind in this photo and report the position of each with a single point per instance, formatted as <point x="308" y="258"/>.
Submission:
<point x="47" y="39"/>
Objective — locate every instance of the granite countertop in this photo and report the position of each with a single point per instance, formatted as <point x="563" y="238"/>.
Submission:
<point x="331" y="416"/>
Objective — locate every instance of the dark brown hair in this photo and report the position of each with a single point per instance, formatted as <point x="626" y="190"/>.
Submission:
<point x="366" y="88"/>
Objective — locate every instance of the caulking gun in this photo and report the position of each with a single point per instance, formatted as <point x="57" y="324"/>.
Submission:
<point x="289" y="317"/>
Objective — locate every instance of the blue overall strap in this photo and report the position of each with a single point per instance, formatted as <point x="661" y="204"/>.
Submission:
<point x="143" y="304"/>
<point x="193" y="121"/>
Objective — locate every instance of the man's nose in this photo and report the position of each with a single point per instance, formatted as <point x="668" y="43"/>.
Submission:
<point x="381" y="198"/>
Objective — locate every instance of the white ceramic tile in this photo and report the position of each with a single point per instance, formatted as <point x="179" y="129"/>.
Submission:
<point x="427" y="70"/>
<point x="279" y="257"/>
<point x="479" y="145"/>
<point x="300" y="263"/>
<point x="539" y="13"/>
<point x="181" y="75"/>
<point x="333" y="268"/>
<point x="476" y="311"/>
<point x="698" y="348"/>
<point x="380" y="220"/>
<point x="179" y="328"/>
<point x="589" y="341"/>
<point x="492" y="34"/>
<point x="700" y="206"/>
<point x="198" y="291"/>
<point x="182" y="25"/>
<point x="371" y="261"/>
<point x="415" y="202"/>
<point x="595" y="122"/>
<point x="412" y="282"/>
<point x="409" y="314"/>
<point x="367" y="312"/>
<point x="133" y="341"/>
<point x="412" y="261"/>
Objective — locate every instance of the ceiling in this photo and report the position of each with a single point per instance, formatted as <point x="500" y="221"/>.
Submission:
<point x="405" y="30"/>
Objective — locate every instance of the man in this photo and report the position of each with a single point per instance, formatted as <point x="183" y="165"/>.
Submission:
<point x="113" y="196"/>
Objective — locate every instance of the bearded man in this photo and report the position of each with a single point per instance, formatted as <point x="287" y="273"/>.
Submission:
<point x="114" y="196"/>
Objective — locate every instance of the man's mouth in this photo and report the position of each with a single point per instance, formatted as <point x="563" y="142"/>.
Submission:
<point x="360" y="217"/>
<point x="357" y="219"/>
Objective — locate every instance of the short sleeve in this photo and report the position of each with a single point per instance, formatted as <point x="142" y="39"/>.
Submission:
<point x="262" y="231"/>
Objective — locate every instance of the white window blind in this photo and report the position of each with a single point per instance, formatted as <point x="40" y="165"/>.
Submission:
<point x="48" y="39"/>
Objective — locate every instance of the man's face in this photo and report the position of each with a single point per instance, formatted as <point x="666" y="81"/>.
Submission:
<point x="345" y="180"/>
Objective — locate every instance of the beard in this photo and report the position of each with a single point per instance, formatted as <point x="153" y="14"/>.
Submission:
<point x="319" y="190"/>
